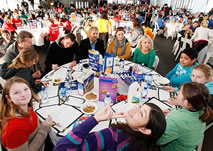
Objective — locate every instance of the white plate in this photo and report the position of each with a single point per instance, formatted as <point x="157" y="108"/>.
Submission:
<point x="91" y="99"/>
<point x="89" y="104"/>
<point x="163" y="80"/>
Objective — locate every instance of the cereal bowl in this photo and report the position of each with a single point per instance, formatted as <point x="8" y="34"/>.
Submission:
<point x="90" y="96"/>
<point x="89" y="108"/>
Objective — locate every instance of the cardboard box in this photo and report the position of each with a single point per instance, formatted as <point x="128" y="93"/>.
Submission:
<point x="107" y="84"/>
<point x="85" y="84"/>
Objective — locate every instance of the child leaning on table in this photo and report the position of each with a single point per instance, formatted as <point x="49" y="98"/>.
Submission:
<point x="185" y="126"/>
<point x="203" y="74"/>
<point x="144" y="126"/>
<point x="19" y="125"/>
<point x="182" y="71"/>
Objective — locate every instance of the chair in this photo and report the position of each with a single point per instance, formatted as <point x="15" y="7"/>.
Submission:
<point x="208" y="53"/>
<point x="185" y="41"/>
<point x="176" y="45"/>
<point x="156" y="62"/>
<point x="207" y="133"/>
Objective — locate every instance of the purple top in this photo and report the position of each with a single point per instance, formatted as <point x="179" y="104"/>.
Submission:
<point x="80" y="139"/>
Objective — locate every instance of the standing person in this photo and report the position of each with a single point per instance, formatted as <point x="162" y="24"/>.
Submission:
<point x="16" y="20"/>
<point x="185" y="126"/>
<point x="119" y="46"/>
<point x="137" y="32"/>
<point x="19" y="124"/>
<point x="25" y="6"/>
<point x="63" y="51"/>
<point x="144" y="53"/>
<point x="144" y="125"/>
<point x="104" y="28"/>
<point x="182" y="71"/>
<point x="93" y="42"/>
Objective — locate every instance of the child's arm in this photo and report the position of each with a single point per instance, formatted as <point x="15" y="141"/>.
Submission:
<point x="181" y="79"/>
<point x="171" y="73"/>
<point x="79" y="138"/>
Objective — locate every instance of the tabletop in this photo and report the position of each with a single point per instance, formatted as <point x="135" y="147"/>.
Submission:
<point x="67" y="113"/>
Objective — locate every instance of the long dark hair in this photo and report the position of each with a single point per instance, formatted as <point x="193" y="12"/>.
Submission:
<point x="104" y="15"/>
<point x="140" y="141"/>
<point x="198" y="96"/>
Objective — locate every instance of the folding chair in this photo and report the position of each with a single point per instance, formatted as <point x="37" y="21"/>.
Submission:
<point x="156" y="62"/>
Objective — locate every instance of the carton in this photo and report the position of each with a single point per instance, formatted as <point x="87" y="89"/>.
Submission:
<point x="108" y="84"/>
<point x="85" y="84"/>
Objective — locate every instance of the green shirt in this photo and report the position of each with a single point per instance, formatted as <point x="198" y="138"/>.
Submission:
<point x="184" y="131"/>
<point x="148" y="59"/>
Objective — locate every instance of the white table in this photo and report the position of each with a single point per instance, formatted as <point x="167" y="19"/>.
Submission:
<point x="69" y="111"/>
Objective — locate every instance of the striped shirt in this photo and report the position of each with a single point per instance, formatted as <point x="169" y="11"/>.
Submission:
<point x="80" y="139"/>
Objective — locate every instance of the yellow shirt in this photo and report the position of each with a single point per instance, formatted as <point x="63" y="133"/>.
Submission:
<point x="104" y="25"/>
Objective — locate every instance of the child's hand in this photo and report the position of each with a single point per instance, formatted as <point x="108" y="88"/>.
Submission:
<point x="48" y="122"/>
<point x="37" y="81"/>
<point x="54" y="66"/>
<point x="104" y="114"/>
<point x="168" y="88"/>
<point x="173" y="101"/>
<point x="166" y="112"/>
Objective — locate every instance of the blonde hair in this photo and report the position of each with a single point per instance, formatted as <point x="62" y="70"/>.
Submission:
<point x="9" y="109"/>
<point x="24" y="57"/>
<point x="206" y="69"/>
<point x="204" y="23"/>
<point x="142" y="39"/>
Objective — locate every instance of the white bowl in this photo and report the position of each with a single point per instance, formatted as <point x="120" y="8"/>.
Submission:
<point x="87" y="104"/>
<point x="90" y="99"/>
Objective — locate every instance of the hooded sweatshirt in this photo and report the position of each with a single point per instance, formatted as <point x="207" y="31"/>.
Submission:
<point x="57" y="54"/>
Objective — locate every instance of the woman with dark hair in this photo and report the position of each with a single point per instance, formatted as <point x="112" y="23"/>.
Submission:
<point x="119" y="46"/>
<point x="185" y="126"/>
<point x="137" y="32"/>
<point x="144" y="126"/>
<point x="104" y="28"/>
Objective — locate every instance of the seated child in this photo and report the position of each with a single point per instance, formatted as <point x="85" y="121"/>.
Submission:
<point x="203" y="74"/>
<point x="185" y="126"/>
<point x="182" y="71"/>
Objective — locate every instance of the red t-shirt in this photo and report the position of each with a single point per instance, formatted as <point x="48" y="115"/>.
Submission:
<point x="18" y="130"/>
<point x="17" y="22"/>
<point x="53" y="32"/>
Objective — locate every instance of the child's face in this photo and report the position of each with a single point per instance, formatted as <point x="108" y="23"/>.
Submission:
<point x="180" y="98"/>
<point x="198" y="76"/>
<point x="186" y="61"/>
<point x="20" y="94"/>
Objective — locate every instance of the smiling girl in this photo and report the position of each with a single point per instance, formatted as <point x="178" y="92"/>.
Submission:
<point x="144" y="53"/>
<point x="19" y="124"/>
<point x="144" y="125"/>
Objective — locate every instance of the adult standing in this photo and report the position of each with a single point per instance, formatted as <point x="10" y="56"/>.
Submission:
<point x="25" y="6"/>
<point x="63" y="51"/>
<point x="137" y="32"/>
<point x="93" y="42"/>
<point x="104" y="28"/>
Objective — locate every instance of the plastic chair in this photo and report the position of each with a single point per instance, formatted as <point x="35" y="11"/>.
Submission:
<point x="185" y="42"/>
<point x="176" y="45"/>
<point x="199" y="148"/>
<point x="156" y="62"/>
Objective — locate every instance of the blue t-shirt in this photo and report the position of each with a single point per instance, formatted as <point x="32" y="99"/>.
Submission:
<point x="180" y="74"/>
